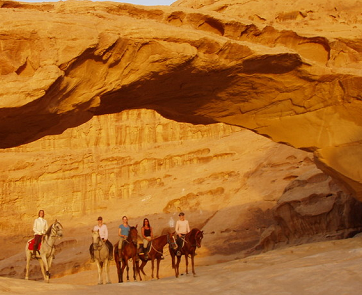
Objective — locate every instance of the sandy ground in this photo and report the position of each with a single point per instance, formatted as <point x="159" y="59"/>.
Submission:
<point x="333" y="267"/>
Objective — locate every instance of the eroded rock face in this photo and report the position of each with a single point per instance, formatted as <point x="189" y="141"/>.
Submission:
<point x="228" y="180"/>
<point x="290" y="71"/>
<point x="312" y="208"/>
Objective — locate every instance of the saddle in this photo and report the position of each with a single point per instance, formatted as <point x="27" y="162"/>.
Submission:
<point x="31" y="245"/>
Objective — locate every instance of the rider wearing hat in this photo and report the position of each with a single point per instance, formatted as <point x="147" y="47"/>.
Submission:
<point x="103" y="233"/>
<point x="182" y="228"/>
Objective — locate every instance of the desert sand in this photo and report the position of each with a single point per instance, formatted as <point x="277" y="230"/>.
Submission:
<point x="332" y="267"/>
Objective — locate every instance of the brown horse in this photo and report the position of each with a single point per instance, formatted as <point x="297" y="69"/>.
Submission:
<point x="192" y="240"/>
<point x="156" y="251"/>
<point x="129" y="251"/>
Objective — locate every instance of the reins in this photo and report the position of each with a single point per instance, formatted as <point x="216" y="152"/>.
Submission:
<point x="50" y="235"/>
<point x="196" y="243"/>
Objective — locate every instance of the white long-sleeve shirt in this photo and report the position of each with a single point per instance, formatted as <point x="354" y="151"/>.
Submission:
<point x="103" y="231"/>
<point x="182" y="227"/>
<point x="40" y="226"/>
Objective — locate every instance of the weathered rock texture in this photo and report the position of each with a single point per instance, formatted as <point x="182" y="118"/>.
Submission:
<point x="290" y="71"/>
<point x="246" y="192"/>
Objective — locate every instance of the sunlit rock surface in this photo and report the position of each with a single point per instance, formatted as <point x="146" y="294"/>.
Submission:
<point x="290" y="71"/>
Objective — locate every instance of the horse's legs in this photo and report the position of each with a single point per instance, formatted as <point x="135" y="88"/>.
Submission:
<point x="177" y="266"/>
<point x="106" y="267"/>
<point x="152" y="265"/>
<point x="123" y="265"/>
<point x="134" y="269"/>
<point x="142" y="266"/>
<point x="27" y="265"/>
<point x="100" y="280"/>
<point x="118" y="261"/>
<point x="158" y="268"/>
<point x="41" y="262"/>
<point x="187" y="263"/>
<point x="138" y="270"/>
<point x="49" y="263"/>
<point x="193" y="264"/>
<point x="44" y="266"/>
<point x="127" y="268"/>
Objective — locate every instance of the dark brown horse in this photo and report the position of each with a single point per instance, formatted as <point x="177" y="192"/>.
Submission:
<point x="156" y="251"/>
<point x="192" y="240"/>
<point x="129" y="251"/>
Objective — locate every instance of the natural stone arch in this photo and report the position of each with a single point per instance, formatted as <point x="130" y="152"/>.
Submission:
<point x="119" y="57"/>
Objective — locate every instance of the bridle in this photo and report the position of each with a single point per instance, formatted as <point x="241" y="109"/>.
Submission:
<point x="54" y="233"/>
<point x="172" y="242"/>
<point x="197" y="241"/>
<point x="97" y="246"/>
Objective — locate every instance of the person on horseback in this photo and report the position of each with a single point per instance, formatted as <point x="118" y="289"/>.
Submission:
<point x="182" y="228"/>
<point x="123" y="231"/>
<point x="103" y="233"/>
<point x="147" y="236"/>
<point x="40" y="227"/>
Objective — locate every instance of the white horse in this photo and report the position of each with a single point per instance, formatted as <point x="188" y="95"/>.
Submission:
<point x="46" y="251"/>
<point x="101" y="256"/>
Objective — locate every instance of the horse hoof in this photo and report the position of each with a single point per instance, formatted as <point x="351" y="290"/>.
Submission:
<point x="109" y="283"/>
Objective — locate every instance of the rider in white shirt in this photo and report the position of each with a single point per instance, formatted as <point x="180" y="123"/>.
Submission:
<point x="103" y="233"/>
<point x="40" y="227"/>
<point x="182" y="228"/>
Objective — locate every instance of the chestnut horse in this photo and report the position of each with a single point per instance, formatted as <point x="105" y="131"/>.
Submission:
<point x="156" y="251"/>
<point x="192" y="240"/>
<point x="129" y="251"/>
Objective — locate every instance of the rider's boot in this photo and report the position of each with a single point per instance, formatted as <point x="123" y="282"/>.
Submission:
<point x="140" y="249"/>
<point x="33" y="255"/>
<point x="91" y="252"/>
<point x="146" y="253"/>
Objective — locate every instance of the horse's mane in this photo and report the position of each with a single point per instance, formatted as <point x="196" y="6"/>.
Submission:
<point x="193" y="231"/>
<point x="130" y="229"/>
<point x="49" y="230"/>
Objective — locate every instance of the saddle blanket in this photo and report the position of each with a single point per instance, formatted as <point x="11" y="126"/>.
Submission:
<point x="31" y="244"/>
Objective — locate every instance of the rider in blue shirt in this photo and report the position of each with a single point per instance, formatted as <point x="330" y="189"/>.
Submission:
<point x="123" y="231"/>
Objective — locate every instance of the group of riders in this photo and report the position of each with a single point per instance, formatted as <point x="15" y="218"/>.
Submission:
<point x="181" y="229"/>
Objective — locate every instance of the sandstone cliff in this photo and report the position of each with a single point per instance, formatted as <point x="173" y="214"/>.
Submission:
<point x="290" y="71"/>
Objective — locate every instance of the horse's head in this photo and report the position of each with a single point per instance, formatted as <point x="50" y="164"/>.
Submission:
<point x="133" y="235"/>
<point x="55" y="230"/>
<point x="198" y="238"/>
<point x="171" y="241"/>
<point x="96" y="239"/>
